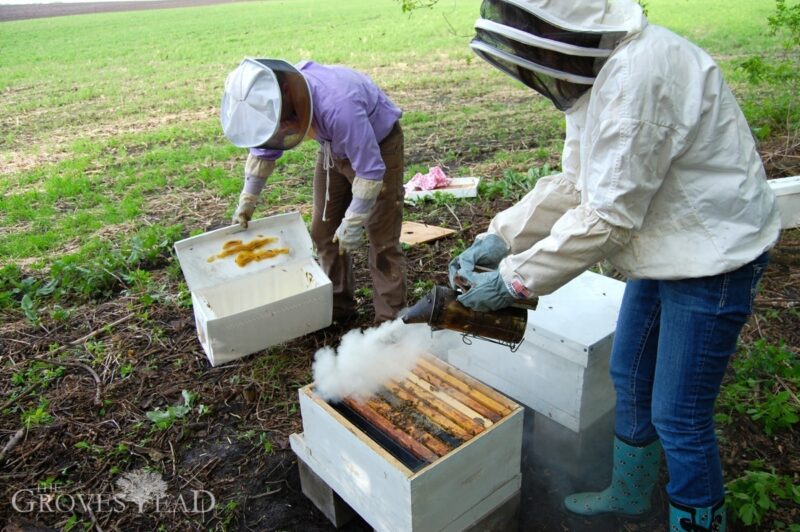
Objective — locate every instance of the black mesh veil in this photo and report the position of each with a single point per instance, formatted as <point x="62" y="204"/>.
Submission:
<point x="562" y="93"/>
<point x="296" y="106"/>
<point x="508" y="13"/>
<point x="559" y="63"/>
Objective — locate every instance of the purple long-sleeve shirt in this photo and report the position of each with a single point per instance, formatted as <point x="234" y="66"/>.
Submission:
<point x="351" y="113"/>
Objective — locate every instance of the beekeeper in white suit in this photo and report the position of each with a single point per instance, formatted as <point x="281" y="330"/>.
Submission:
<point x="660" y="175"/>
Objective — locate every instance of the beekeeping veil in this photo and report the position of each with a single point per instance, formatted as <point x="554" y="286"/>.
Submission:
<point x="556" y="47"/>
<point x="266" y="104"/>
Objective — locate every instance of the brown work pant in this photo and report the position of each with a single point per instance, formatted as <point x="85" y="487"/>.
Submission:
<point x="386" y="259"/>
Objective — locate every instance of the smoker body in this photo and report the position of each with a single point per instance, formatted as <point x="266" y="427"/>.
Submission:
<point x="441" y="309"/>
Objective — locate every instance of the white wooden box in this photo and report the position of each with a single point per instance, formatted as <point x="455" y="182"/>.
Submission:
<point x="243" y="309"/>
<point x="561" y="368"/>
<point x="449" y="494"/>
<point x="787" y="192"/>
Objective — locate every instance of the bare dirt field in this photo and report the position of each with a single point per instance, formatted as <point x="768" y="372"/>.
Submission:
<point x="27" y="11"/>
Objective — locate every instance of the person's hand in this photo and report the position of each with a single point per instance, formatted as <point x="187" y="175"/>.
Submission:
<point x="244" y="212"/>
<point x="349" y="235"/>
<point x="487" y="292"/>
<point x="486" y="252"/>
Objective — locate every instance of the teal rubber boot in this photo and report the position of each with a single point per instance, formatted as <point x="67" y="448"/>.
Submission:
<point x="633" y="478"/>
<point x="710" y="519"/>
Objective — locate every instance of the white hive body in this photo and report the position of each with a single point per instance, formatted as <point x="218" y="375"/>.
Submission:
<point x="243" y="307"/>
<point x="459" y="486"/>
<point x="787" y="193"/>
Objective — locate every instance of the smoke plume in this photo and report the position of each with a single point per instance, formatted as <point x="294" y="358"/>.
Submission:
<point x="366" y="359"/>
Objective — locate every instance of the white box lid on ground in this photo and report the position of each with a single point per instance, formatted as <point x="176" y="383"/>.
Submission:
<point x="241" y="309"/>
<point x="459" y="187"/>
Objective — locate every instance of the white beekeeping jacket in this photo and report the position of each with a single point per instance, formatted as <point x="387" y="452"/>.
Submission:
<point x="660" y="175"/>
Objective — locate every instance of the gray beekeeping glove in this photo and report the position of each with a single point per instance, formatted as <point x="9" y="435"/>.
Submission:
<point x="487" y="251"/>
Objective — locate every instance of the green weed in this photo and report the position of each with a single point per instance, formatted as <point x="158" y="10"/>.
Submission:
<point x="364" y="292"/>
<point x="164" y="419"/>
<point x="513" y="185"/>
<point x="261" y="439"/>
<point x="754" y="494"/>
<point x="89" y="447"/>
<point x="94" y="273"/>
<point x="229" y="512"/>
<point x="421" y="287"/>
<point x="459" y="248"/>
<point x="38" y="374"/>
<point x="763" y="388"/>
<point x="74" y="522"/>
<point x="126" y="370"/>
<point x="37" y="416"/>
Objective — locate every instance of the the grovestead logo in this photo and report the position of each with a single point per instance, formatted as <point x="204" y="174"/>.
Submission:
<point x="140" y="487"/>
<point x="144" y="488"/>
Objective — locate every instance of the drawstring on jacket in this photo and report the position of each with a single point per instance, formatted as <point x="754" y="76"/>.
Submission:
<point x="327" y="164"/>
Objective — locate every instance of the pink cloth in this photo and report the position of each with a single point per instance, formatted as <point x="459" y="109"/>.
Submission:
<point x="435" y="178"/>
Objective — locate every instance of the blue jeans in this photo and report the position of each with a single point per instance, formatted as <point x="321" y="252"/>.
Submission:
<point x="671" y="348"/>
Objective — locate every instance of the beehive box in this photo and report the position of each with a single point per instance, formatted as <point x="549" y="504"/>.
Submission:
<point x="561" y="368"/>
<point x="787" y="193"/>
<point x="434" y="451"/>
<point x="254" y="288"/>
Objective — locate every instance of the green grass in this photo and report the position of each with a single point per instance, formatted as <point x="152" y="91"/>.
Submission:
<point x="723" y="27"/>
<point x="110" y="120"/>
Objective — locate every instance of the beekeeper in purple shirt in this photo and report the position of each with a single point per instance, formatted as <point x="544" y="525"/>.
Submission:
<point x="270" y="106"/>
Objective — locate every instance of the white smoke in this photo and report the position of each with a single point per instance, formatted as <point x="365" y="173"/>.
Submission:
<point x="366" y="359"/>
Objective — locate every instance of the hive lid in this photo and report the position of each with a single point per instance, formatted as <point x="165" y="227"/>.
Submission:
<point x="580" y="314"/>
<point x="784" y="186"/>
<point x="201" y="270"/>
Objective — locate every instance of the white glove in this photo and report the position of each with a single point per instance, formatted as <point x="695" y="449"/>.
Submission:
<point x="256" y="172"/>
<point x="244" y="212"/>
<point x="350" y="233"/>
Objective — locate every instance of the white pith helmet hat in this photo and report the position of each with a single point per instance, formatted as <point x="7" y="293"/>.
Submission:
<point x="266" y="103"/>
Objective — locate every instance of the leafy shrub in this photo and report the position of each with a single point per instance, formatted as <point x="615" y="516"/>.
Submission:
<point x="776" y="109"/>
<point x="752" y="495"/>
<point x="766" y="378"/>
<point x="514" y="184"/>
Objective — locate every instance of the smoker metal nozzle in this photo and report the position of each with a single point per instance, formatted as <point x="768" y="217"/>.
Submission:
<point x="422" y="310"/>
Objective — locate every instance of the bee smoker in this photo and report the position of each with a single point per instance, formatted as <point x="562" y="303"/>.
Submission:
<point x="441" y="310"/>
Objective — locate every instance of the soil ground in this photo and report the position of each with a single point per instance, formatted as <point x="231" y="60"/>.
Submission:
<point x="239" y="450"/>
<point x="224" y="451"/>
